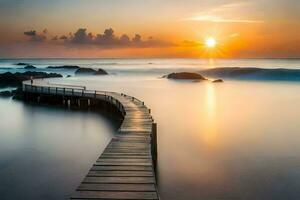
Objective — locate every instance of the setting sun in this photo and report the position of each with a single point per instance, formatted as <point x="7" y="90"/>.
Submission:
<point x="210" y="42"/>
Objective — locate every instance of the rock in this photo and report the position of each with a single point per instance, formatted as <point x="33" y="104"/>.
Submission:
<point x="218" y="81"/>
<point x="64" y="67"/>
<point x="21" y="63"/>
<point x="185" y="76"/>
<point x="253" y="73"/>
<point x="6" y="93"/>
<point x="18" y="94"/>
<point x="29" y="67"/>
<point x="68" y="76"/>
<point x="90" y="71"/>
<point x="101" y="72"/>
<point x="10" y="80"/>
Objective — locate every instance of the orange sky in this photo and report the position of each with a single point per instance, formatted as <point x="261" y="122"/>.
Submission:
<point x="262" y="28"/>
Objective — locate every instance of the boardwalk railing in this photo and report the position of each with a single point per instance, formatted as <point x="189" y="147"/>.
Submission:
<point x="126" y="169"/>
<point x="73" y="92"/>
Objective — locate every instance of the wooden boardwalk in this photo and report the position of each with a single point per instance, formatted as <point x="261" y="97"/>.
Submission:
<point x="126" y="168"/>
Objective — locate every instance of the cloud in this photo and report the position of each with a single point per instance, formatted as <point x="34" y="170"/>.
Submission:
<point x="234" y="35"/>
<point x="217" y="19"/>
<point x="63" y="37"/>
<point x="226" y="13"/>
<point x="30" y="33"/>
<point x="55" y="38"/>
<point x="36" y="37"/>
<point x="107" y="39"/>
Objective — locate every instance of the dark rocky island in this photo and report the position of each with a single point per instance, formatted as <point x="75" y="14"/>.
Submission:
<point x="21" y="63"/>
<point x="90" y="71"/>
<point x="15" y="79"/>
<point x="101" y="72"/>
<point x="185" y="76"/>
<point x="64" y="67"/>
<point x="29" y="67"/>
<point x="218" y="81"/>
<point x="253" y="73"/>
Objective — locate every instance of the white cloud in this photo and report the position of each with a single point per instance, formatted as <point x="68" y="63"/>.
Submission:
<point x="218" y="19"/>
<point x="225" y="14"/>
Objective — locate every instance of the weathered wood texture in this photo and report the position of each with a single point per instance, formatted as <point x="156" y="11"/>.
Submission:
<point x="126" y="168"/>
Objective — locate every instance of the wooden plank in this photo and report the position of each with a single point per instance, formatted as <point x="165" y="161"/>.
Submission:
<point x="122" y="168"/>
<point x="117" y="187"/>
<point x="125" y="157"/>
<point x="118" y="179"/>
<point x="115" y="195"/>
<point x="122" y="173"/>
<point x="125" y="160"/>
<point x="126" y="154"/>
<point x="122" y="164"/>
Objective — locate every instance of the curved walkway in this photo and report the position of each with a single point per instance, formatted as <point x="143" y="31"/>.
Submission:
<point x="126" y="168"/>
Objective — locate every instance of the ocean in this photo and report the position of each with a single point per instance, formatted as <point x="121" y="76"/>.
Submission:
<point x="233" y="140"/>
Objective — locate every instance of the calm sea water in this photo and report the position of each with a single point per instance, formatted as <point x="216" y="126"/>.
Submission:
<point x="235" y="140"/>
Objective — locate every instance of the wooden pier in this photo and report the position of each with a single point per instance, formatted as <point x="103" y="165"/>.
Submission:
<point x="126" y="168"/>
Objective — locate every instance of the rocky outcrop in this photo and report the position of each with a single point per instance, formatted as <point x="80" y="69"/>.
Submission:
<point x="253" y="73"/>
<point x="15" y="79"/>
<point x="90" y="71"/>
<point x="21" y="63"/>
<point x="185" y="76"/>
<point x="218" y="81"/>
<point x="6" y="93"/>
<point x="101" y="72"/>
<point x="29" y="67"/>
<point x="64" y="67"/>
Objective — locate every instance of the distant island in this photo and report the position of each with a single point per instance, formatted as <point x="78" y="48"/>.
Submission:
<point x="185" y="76"/>
<point x="64" y="67"/>
<point x="29" y="67"/>
<point x="90" y="71"/>
<point x="195" y="77"/>
<point x="253" y="73"/>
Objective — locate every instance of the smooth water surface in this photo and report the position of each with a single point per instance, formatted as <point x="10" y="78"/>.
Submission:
<point x="45" y="152"/>
<point x="233" y="140"/>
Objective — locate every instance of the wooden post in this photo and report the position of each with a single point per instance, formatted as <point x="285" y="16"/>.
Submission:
<point x="154" y="145"/>
<point x="72" y="92"/>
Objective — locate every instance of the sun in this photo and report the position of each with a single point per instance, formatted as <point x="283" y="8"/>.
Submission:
<point x="210" y="42"/>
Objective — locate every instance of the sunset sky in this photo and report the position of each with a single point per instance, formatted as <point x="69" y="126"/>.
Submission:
<point x="149" y="28"/>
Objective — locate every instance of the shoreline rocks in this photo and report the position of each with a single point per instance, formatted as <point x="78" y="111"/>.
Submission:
<point x="29" y="67"/>
<point x="6" y="93"/>
<point x="90" y="71"/>
<point x="9" y="79"/>
<point x="64" y="67"/>
<point x="21" y="63"/>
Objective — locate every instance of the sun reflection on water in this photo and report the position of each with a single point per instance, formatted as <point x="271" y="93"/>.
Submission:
<point x="210" y="131"/>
